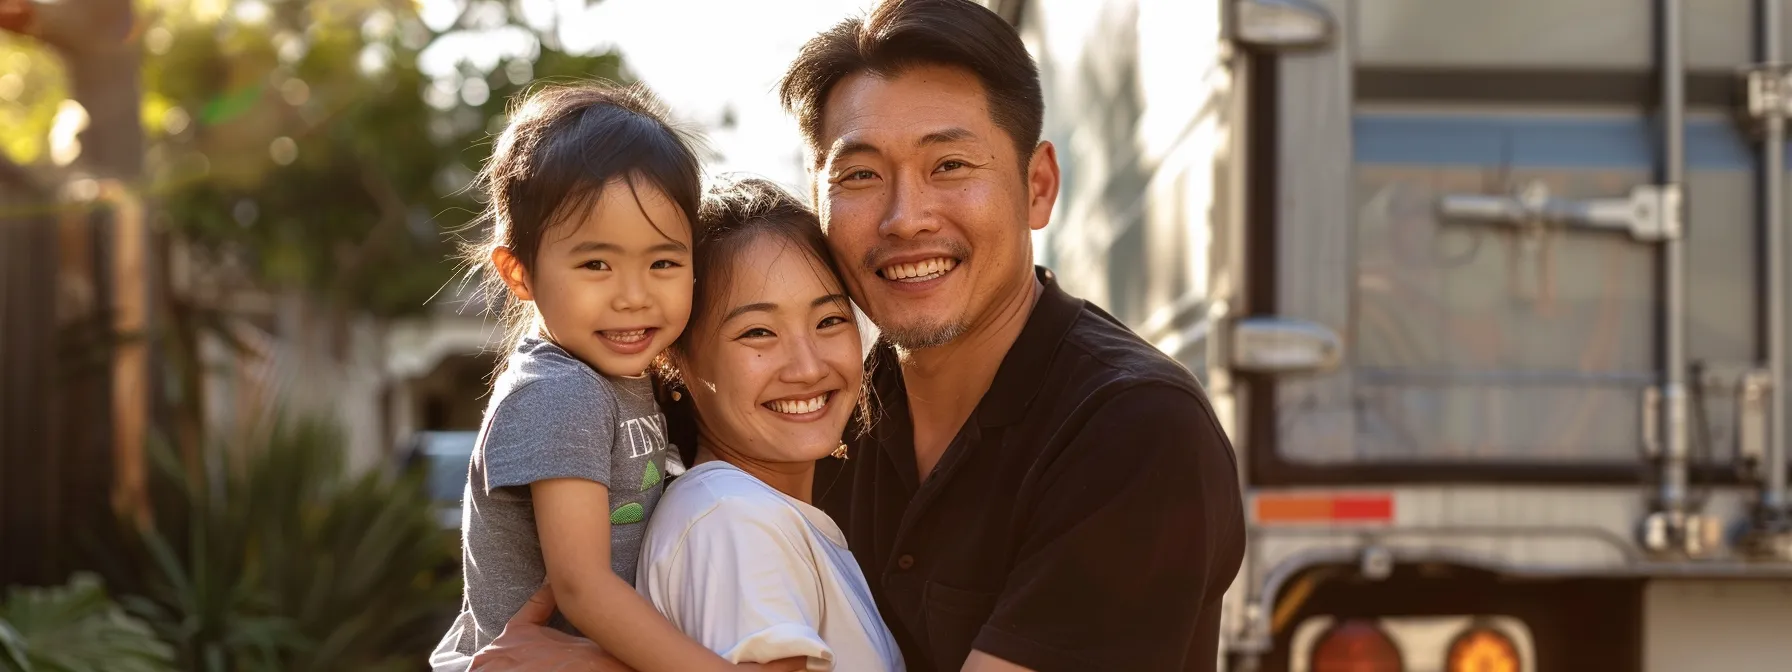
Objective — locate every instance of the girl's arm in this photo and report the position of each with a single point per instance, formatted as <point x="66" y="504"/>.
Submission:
<point x="572" y="521"/>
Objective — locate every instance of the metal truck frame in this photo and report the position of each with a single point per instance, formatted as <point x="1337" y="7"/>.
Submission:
<point x="1491" y="297"/>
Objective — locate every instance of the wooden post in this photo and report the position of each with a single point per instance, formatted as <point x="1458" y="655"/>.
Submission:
<point x="130" y="355"/>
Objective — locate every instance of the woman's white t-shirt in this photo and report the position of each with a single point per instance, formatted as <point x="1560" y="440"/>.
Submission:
<point x="758" y="576"/>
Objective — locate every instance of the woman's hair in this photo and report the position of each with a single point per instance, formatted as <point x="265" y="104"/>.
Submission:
<point x="736" y="211"/>
<point x="563" y="145"/>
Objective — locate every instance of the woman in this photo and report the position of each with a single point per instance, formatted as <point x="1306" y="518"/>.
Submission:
<point x="735" y="555"/>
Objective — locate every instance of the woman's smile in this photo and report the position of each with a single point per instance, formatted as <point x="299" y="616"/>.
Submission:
<point x="801" y="408"/>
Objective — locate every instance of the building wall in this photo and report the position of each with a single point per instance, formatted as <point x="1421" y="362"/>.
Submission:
<point x="1137" y="95"/>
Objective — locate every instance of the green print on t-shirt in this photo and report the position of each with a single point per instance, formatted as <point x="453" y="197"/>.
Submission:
<point x="632" y="512"/>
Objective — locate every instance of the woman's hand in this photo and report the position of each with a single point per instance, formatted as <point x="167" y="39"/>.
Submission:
<point x="529" y="645"/>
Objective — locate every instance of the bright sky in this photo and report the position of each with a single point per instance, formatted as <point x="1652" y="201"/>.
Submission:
<point x="703" y="57"/>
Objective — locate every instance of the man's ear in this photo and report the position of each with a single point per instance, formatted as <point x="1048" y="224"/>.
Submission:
<point x="1042" y="185"/>
<point x="511" y="270"/>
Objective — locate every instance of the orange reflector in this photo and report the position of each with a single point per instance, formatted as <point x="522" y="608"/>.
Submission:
<point x="1483" y="649"/>
<point x="1356" y="646"/>
<point x="1273" y="508"/>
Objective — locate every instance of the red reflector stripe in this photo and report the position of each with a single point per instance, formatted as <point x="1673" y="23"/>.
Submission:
<point x="1323" y="508"/>
<point x="1372" y="508"/>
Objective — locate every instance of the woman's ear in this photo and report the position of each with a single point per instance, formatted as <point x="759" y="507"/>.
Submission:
<point x="511" y="270"/>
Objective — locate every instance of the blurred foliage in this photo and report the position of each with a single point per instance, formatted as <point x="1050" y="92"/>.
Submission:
<point x="324" y="142"/>
<point x="31" y="85"/>
<point x="272" y="555"/>
<point x="75" y="628"/>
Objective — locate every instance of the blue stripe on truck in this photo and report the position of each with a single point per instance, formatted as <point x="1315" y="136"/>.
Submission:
<point x="1540" y="142"/>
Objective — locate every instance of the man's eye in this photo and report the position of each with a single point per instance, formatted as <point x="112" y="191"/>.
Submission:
<point x="860" y="174"/>
<point x="950" y="165"/>
<point x="595" y="265"/>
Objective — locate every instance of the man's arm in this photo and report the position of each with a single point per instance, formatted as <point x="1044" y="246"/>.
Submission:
<point x="983" y="662"/>
<point x="528" y="645"/>
<point x="1130" y="528"/>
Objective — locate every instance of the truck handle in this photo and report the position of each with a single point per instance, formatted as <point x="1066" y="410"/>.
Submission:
<point x="1649" y="214"/>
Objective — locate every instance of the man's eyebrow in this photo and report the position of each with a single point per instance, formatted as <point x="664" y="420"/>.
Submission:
<point x="954" y="134"/>
<point x="843" y="147"/>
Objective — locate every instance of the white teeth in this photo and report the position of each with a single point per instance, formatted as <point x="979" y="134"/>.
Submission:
<point x="626" y="336"/>
<point x="920" y="271"/>
<point x="799" y="406"/>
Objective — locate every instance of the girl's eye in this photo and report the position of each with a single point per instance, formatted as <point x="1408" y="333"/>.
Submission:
<point x="664" y="264"/>
<point x="757" y="332"/>
<point x="831" y="321"/>
<point x="595" y="265"/>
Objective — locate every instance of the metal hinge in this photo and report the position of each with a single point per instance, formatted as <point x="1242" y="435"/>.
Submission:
<point x="1651" y="213"/>
<point x="1769" y="90"/>
<point x="1753" y="393"/>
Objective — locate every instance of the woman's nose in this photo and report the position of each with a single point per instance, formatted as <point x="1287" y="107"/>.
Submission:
<point x="805" y="366"/>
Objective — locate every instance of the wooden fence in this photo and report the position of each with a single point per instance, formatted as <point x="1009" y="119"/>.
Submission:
<point x="75" y="375"/>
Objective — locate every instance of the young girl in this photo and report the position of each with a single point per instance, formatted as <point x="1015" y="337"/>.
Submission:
<point x="593" y="196"/>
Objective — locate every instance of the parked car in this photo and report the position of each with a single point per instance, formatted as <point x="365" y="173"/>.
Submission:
<point x="443" y="456"/>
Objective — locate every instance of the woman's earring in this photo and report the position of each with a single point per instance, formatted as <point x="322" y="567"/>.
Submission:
<point x="676" y="396"/>
<point x="840" y="453"/>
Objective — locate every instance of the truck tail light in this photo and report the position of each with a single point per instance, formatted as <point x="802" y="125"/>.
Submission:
<point x="1356" y="646"/>
<point x="1483" y="649"/>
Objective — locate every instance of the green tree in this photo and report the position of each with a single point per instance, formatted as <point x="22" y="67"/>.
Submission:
<point x="310" y="139"/>
<point x="291" y="144"/>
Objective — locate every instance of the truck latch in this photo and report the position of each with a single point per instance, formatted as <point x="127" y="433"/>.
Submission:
<point x="1651" y="213"/>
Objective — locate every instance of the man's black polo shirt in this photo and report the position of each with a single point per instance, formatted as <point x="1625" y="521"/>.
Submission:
<point x="1086" y="517"/>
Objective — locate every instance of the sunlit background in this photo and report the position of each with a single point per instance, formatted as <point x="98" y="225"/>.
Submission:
<point x="1413" y="249"/>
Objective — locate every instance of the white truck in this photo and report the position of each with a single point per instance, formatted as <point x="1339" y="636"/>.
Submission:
<point x="1491" y="296"/>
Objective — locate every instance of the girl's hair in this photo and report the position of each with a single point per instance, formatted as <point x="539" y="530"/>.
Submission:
<point x="563" y="145"/>
<point x="737" y="211"/>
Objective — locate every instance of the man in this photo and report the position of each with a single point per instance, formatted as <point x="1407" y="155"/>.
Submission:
<point x="1041" y="489"/>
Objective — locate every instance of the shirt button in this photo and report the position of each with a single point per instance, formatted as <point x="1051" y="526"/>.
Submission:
<point x="905" y="562"/>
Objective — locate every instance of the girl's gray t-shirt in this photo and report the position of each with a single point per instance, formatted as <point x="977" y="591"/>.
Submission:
<point x="552" y="416"/>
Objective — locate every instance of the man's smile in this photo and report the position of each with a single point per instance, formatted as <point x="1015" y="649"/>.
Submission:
<point x="918" y="271"/>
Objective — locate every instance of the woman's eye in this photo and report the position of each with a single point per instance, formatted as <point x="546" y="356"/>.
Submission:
<point x="757" y="332"/>
<point x="831" y="321"/>
<point x="665" y="264"/>
<point x="595" y="265"/>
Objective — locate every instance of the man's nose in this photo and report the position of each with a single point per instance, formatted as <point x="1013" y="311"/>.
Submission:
<point x="911" y="212"/>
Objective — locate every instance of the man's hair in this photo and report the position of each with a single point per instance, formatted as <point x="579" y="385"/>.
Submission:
<point x="899" y="34"/>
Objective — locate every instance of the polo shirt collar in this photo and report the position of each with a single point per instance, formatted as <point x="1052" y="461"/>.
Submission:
<point x="1024" y="368"/>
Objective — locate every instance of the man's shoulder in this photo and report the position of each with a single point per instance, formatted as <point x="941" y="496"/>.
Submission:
<point x="1101" y="357"/>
